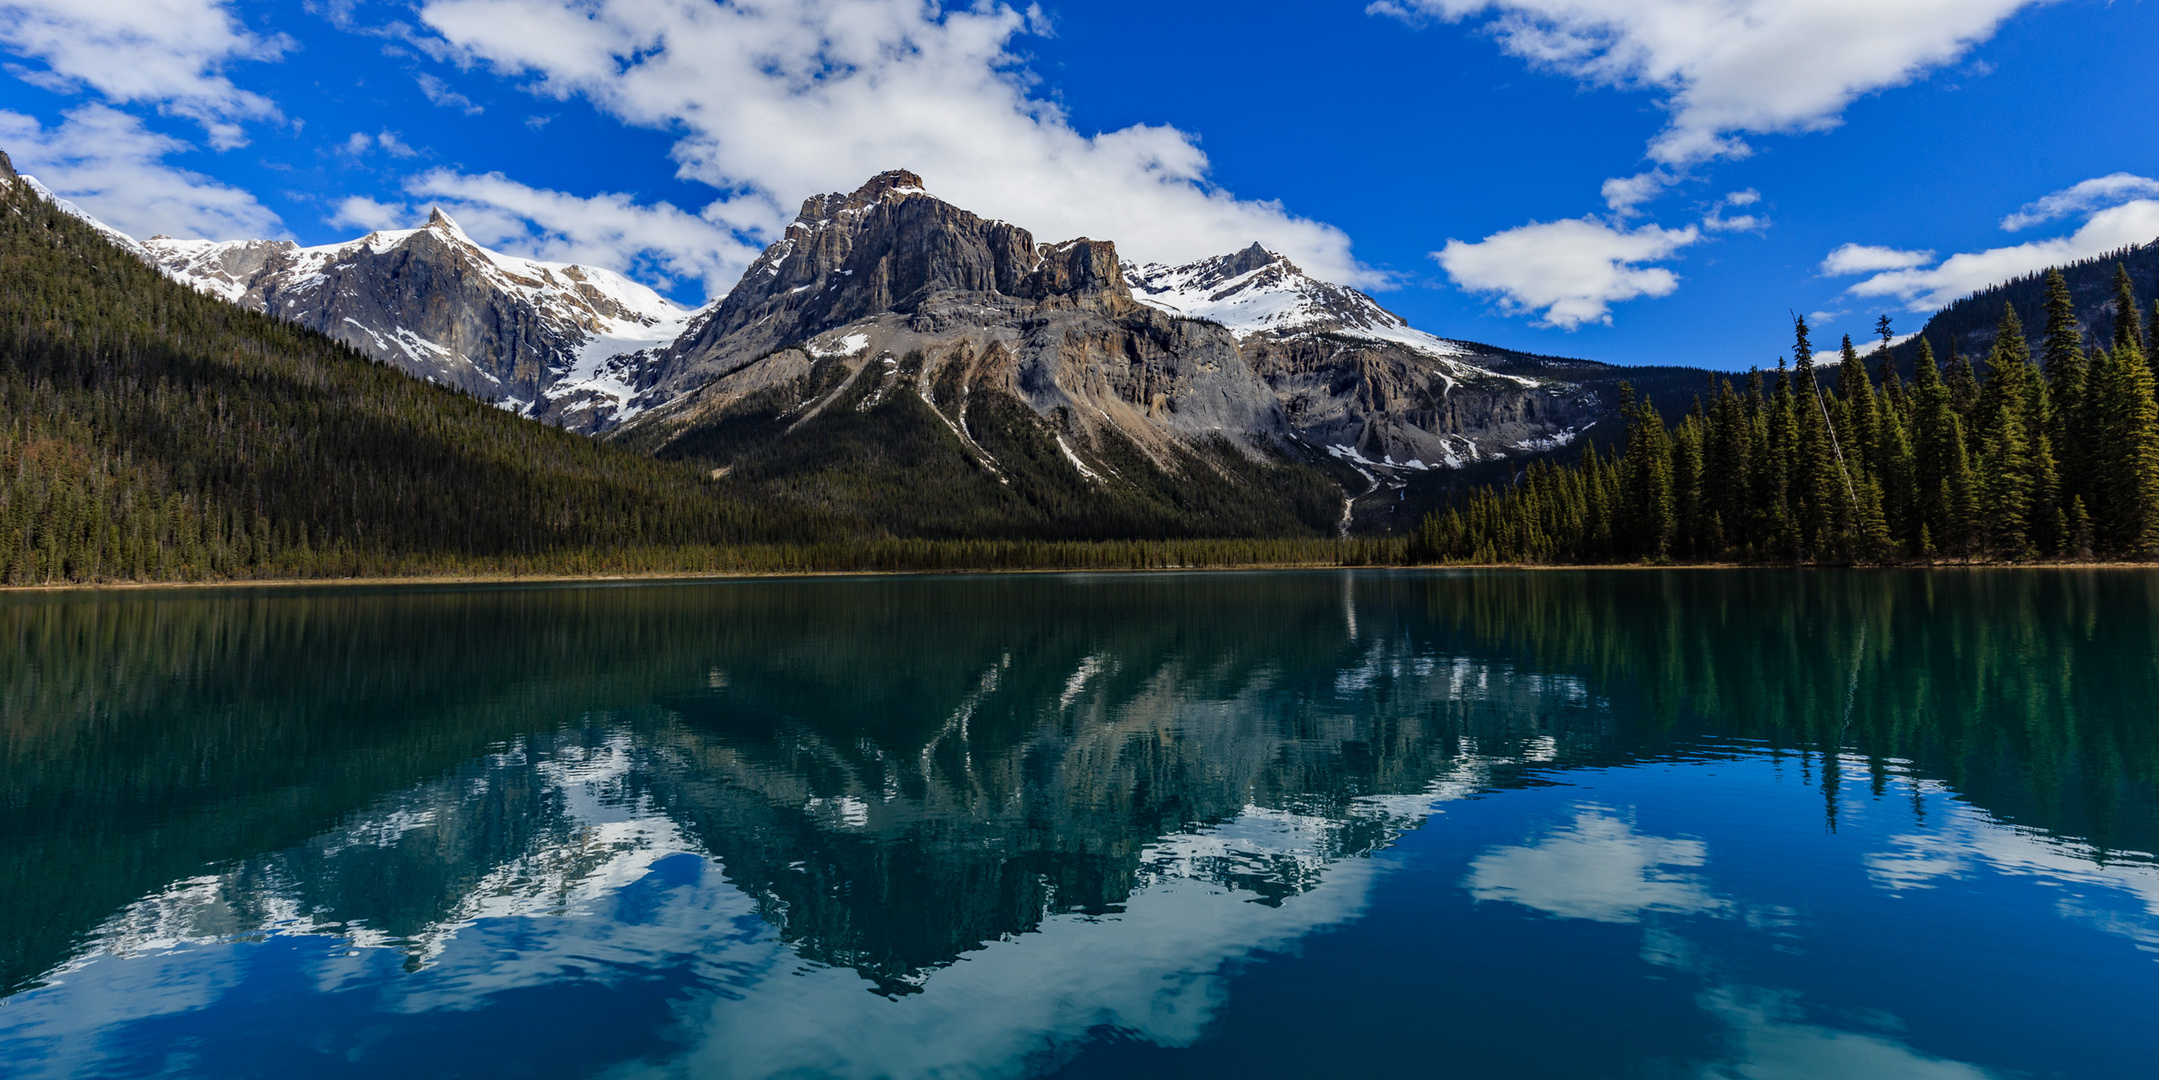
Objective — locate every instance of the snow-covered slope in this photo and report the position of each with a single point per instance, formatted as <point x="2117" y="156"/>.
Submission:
<point x="554" y="340"/>
<point x="123" y="240"/>
<point x="1256" y="291"/>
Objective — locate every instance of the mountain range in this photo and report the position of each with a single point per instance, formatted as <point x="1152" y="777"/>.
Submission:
<point x="890" y="341"/>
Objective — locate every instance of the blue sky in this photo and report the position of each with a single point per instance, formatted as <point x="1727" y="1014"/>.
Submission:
<point x="1636" y="181"/>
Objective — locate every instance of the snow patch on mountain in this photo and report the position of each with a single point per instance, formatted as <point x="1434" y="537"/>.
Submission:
<point x="596" y="322"/>
<point x="121" y="239"/>
<point x="1256" y="291"/>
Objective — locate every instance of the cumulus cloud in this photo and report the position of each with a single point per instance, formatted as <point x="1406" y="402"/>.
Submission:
<point x="1571" y="270"/>
<point x="170" y="53"/>
<point x="1729" y="68"/>
<point x="105" y="161"/>
<point x="2089" y="195"/>
<point x="1868" y="258"/>
<point x="1926" y="288"/>
<point x="607" y="230"/>
<point x="777" y="102"/>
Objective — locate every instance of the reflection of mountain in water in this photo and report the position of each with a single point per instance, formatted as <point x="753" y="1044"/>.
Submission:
<point x="896" y="772"/>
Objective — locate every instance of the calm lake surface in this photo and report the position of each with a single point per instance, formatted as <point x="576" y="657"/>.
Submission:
<point x="1482" y="824"/>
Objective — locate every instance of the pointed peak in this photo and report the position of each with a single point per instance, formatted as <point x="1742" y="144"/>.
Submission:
<point x="1250" y="259"/>
<point x="436" y="219"/>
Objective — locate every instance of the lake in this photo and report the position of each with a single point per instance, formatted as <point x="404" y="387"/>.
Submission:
<point x="1474" y="824"/>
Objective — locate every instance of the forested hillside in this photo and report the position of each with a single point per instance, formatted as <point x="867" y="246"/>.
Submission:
<point x="151" y="432"/>
<point x="2054" y="459"/>
<point x="1967" y="327"/>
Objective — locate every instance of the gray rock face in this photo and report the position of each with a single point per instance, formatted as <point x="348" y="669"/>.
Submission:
<point x="538" y="337"/>
<point x="1357" y="379"/>
<point x="1245" y="347"/>
<point x="888" y="271"/>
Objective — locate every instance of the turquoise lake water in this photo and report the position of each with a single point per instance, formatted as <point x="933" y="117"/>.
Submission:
<point x="1473" y="824"/>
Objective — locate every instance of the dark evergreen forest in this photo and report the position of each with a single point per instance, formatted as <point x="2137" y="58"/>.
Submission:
<point x="2056" y="458"/>
<point x="148" y="432"/>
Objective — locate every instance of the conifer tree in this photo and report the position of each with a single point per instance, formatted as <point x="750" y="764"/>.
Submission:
<point x="1962" y="382"/>
<point x="2122" y="424"/>
<point x="2014" y="465"/>
<point x="1856" y="390"/>
<point x="1818" y="490"/>
<point x="2066" y="370"/>
<point x="2128" y="324"/>
<point x="1942" y="468"/>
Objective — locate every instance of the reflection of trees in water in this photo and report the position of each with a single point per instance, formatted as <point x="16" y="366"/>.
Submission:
<point x="901" y="770"/>
<point x="2030" y="693"/>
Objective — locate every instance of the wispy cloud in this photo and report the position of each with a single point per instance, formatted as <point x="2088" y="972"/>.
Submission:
<point x="1907" y="276"/>
<point x="1868" y="258"/>
<point x="110" y="164"/>
<point x="167" y="53"/>
<point x="1731" y="68"/>
<point x="608" y="230"/>
<point x="2092" y="194"/>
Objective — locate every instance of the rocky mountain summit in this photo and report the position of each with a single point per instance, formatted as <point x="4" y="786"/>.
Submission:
<point x="555" y="341"/>
<point x="1356" y="378"/>
<point x="1191" y="369"/>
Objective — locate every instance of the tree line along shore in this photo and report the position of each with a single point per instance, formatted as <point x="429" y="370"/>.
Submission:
<point x="149" y="433"/>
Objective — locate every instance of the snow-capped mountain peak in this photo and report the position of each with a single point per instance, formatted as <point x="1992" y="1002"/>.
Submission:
<point x="560" y="340"/>
<point x="1257" y="291"/>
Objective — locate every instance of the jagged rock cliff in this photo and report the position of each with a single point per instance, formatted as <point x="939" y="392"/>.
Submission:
<point x="556" y="341"/>
<point x="964" y="340"/>
<point x="1356" y="378"/>
<point x="890" y="290"/>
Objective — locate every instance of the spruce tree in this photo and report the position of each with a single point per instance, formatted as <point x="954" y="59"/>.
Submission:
<point x="1820" y="497"/>
<point x="1726" y="484"/>
<point x="1942" y="468"/>
<point x="2066" y="373"/>
<point x="1856" y="390"/>
<point x="2128" y="324"/>
<point x="1962" y="382"/>
<point x="2122" y="423"/>
<point x="2012" y="453"/>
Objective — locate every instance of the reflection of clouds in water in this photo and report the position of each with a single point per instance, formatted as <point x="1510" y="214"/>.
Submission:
<point x="1771" y="1040"/>
<point x="1157" y="970"/>
<point x="1597" y="868"/>
<point x="1966" y="842"/>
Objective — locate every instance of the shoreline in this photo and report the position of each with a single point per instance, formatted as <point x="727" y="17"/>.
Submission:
<point x="767" y="575"/>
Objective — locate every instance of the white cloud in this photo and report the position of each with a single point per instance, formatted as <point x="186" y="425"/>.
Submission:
<point x="1715" y="221"/>
<point x="360" y="143"/>
<point x="165" y="52"/>
<point x="607" y="230"/>
<point x="1930" y="288"/>
<point x="782" y="101"/>
<point x="1868" y="258"/>
<point x="1572" y="270"/>
<point x="1598" y="868"/>
<point x="361" y="212"/>
<point x="1625" y="193"/>
<point x="439" y="93"/>
<point x="2091" y="194"/>
<point x="1729" y="68"/>
<point x="106" y="161"/>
